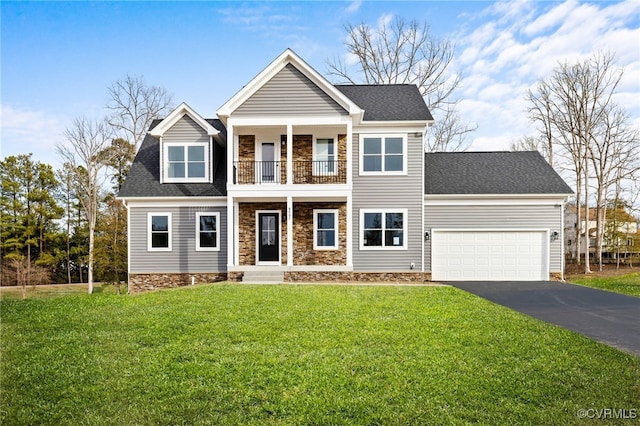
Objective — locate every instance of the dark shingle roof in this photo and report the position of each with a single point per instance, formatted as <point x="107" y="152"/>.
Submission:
<point x="491" y="173"/>
<point x="388" y="102"/>
<point x="143" y="179"/>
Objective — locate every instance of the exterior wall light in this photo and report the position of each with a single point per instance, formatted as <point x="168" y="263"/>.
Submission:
<point x="427" y="236"/>
<point x="554" y="236"/>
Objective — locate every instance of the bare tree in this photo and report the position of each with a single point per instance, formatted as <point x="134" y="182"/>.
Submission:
<point x="574" y="104"/>
<point x="133" y="105"/>
<point x="541" y="110"/>
<point x="448" y="134"/>
<point x="87" y="141"/>
<point x="405" y="52"/>
<point x="614" y="154"/>
<point x="530" y="143"/>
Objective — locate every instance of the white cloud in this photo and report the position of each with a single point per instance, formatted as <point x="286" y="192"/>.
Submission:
<point x="23" y="132"/>
<point x="353" y="7"/>
<point x="263" y="18"/>
<point x="516" y="44"/>
<point x="549" y="20"/>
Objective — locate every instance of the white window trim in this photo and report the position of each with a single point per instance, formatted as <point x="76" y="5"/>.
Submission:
<point x="149" y="233"/>
<point x="217" y="216"/>
<point x="336" y="246"/>
<point x="185" y="145"/>
<point x="383" y="136"/>
<point x="314" y="154"/>
<point x="405" y="228"/>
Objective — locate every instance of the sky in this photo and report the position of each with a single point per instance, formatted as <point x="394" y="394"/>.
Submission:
<point x="58" y="58"/>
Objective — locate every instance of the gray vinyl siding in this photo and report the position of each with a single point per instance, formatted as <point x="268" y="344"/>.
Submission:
<point x="389" y="192"/>
<point x="496" y="217"/>
<point x="289" y="93"/>
<point x="183" y="257"/>
<point x="186" y="130"/>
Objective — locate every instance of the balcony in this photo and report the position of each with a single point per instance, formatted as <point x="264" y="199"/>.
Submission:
<point x="275" y="172"/>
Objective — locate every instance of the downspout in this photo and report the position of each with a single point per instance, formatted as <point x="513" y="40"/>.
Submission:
<point x="126" y="206"/>
<point x="562" y="253"/>
<point x="422" y="173"/>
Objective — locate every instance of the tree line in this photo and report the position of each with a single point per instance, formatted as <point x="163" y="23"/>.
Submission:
<point x="66" y="225"/>
<point x="586" y="134"/>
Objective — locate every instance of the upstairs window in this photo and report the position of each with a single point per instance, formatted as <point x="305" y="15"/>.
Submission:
<point x="325" y="158"/>
<point x="383" y="154"/>
<point x="186" y="162"/>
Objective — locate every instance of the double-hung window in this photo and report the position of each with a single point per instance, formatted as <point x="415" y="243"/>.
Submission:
<point x="186" y="162"/>
<point x="325" y="229"/>
<point x="383" y="154"/>
<point x="325" y="158"/>
<point x="159" y="231"/>
<point x="208" y="231"/>
<point x="383" y="229"/>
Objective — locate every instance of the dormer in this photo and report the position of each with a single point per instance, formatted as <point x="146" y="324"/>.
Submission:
<point x="186" y="147"/>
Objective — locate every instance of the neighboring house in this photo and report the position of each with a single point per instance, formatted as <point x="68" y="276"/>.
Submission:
<point x="620" y="232"/>
<point x="302" y="180"/>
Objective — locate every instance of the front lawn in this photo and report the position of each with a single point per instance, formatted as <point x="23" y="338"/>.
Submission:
<point x="238" y="354"/>
<point x="625" y="284"/>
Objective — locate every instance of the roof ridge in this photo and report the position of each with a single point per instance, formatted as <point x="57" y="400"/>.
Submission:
<point x="375" y="84"/>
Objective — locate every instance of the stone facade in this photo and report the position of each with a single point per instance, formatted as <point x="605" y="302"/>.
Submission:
<point x="556" y="276"/>
<point x="246" y="154"/>
<point x="247" y="230"/>
<point x="139" y="283"/>
<point x="303" y="252"/>
<point x="347" y="277"/>
<point x="246" y="148"/>
<point x="357" y="277"/>
<point x="235" y="277"/>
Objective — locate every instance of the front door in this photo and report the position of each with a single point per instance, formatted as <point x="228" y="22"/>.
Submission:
<point x="268" y="237"/>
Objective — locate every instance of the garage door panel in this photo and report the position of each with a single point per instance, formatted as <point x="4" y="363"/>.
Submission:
<point x="489" y="255"/>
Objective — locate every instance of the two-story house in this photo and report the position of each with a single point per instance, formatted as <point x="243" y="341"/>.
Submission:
<point x="298" y="179"/>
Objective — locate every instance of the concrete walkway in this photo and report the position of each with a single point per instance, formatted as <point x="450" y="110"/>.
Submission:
<point x="610" y="318"/>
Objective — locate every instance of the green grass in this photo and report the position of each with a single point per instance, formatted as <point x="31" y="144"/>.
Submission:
<point x="237" y="354"/>
<point x="56" y="290"/>
<point x="625" y="284"/>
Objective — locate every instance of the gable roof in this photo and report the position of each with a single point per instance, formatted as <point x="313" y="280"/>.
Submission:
<point x="287" y="57"/>
<point x="143" y="179"/>
<point x="175" y="115"/>
<point x="525" y="172"/>
<point x="388" y="102"/>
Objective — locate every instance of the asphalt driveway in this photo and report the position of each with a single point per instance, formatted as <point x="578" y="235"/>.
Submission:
<point x="610" y="318"/>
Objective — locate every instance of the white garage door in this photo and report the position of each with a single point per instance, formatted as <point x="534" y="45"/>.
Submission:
<point x="500" y="255"/>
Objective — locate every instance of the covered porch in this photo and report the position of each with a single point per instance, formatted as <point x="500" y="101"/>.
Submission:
<point x="291" y="234"/>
